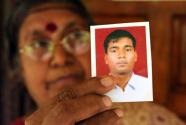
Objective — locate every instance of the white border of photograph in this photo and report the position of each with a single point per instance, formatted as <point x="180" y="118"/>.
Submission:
<point x="132" y="24"/>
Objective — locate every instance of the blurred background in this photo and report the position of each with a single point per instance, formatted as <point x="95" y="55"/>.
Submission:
<point x="168" y="42"/>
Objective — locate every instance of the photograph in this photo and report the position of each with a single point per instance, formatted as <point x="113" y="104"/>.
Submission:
<point x="123" y="53"/>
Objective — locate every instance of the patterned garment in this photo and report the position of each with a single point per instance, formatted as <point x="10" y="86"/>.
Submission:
<point x="145" y="113"/>
<point x="142" y="113"/>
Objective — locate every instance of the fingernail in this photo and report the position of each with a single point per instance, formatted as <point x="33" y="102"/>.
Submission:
<point x="107" y="81"/>
<point x="119" y="112"/>
<point x="107" y="102"/>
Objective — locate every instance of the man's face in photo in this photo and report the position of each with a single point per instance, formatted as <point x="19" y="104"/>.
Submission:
<point x="121" y="56"/>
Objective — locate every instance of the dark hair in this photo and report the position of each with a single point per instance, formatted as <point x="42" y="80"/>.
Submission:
<point x="117" y="34"/>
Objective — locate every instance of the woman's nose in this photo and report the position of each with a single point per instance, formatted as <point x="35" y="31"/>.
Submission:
<point x="61" y="57"/>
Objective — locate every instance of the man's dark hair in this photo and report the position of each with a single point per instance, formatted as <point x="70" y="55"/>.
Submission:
<point x="116" y="35"/>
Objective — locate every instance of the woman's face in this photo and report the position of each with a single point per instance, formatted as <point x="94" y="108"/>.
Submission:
<point x="47" y="74"/>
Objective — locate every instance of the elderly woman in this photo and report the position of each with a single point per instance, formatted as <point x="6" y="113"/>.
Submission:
<point x="49" y="53"/>
<point x="49" y="43"/>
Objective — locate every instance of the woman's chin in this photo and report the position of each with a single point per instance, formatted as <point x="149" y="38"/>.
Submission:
<point x="55" y="88"/>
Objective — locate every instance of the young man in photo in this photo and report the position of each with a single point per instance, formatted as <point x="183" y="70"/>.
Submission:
<point x="121" y="56"/>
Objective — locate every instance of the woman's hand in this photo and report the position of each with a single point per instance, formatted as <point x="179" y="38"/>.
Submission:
<point x="84" y="104"/>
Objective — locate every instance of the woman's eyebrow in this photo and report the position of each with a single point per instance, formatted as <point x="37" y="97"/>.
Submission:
<point x="36" y="34"/>
<point x="39" y="32"/>
<point x="54" y="6"/>
<point x="70" y="27"/>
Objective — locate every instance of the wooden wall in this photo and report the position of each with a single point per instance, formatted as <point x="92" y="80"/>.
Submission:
<point x="168" y="43"/>
<point x="1" y="62"/>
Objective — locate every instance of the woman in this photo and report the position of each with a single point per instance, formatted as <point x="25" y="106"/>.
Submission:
<point x="49" y="43"/>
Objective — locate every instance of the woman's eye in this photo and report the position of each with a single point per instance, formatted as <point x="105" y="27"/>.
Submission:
<point x="40" y="44"/>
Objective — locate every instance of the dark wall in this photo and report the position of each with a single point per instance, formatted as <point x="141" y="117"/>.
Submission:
<point x="1" y="56"/>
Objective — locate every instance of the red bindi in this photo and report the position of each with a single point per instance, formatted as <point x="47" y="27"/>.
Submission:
<point x="51" y="27"/>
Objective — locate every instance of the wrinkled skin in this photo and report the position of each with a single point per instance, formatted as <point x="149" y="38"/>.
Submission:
<point x="89" y="107"/>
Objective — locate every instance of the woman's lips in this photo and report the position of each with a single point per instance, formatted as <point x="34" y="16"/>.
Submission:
<point x="63" y="81"/>
<point x="56" y="86"/>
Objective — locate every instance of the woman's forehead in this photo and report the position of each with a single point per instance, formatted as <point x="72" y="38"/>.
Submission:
<point x="52" y="18"/>
<point x="51" y="15"/>
<point x="54" y="10"/>
<point x="48" y="6"/>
